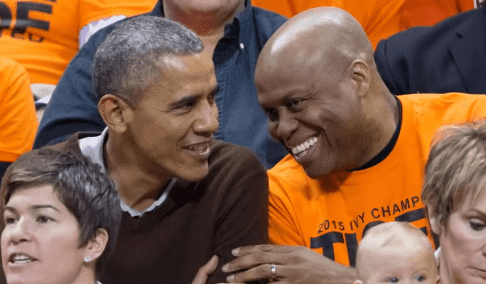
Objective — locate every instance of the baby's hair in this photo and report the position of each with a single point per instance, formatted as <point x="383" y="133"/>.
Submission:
<point x="388" y="235"/>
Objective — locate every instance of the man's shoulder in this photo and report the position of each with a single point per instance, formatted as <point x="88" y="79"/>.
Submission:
<point x="224" y="154"/>
<point x="287" y="173"/>
<point x="445" y="99"/>
<point x="445" y="108"/>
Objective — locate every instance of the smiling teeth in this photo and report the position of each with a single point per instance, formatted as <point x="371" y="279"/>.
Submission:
<point x="21" y="258"/>
<point x="200" y="148"/>
<point x="300" y="149"/>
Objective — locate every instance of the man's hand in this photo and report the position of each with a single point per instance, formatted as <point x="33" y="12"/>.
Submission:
<point x="206" y="270"/>
<point x="291" y="264"/>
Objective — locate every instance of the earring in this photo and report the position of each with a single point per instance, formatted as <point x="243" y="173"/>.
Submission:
<point x="87" y="259"/>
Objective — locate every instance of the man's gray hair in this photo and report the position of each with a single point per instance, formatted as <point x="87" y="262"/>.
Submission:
<point x="128" y="60"/>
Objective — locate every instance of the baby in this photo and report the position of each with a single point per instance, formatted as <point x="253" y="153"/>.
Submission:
<point x="395" y="252"/>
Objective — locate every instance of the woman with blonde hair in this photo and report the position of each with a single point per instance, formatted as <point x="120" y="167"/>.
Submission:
<point x="454" y="193"/>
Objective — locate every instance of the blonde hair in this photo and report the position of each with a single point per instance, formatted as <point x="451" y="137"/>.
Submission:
<point x="387" y="235"/>
<point x="456" y="168"/>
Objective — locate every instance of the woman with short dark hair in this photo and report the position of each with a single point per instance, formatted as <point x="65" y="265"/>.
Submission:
<point x="62" y="216"/>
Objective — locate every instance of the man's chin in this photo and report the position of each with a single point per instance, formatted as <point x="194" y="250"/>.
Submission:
<point x="195" y="173"/>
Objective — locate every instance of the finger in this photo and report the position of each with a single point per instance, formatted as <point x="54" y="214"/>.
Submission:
<point x="205" y="270"/>
<point x="259" y="248"/>
<point x="256" y="273"/>
<point x="252" y="260"/>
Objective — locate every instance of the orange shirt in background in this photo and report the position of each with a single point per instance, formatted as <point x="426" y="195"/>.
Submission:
<point x="430" y="12"/>
<point x="379" y="18"/>
<point x="43" y="34"/>
<point x="18" y="121"/>
<point x="331" y="214"/>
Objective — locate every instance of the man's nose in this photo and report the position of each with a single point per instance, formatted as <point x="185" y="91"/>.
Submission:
<point x="207" y="120"/>
<point x="285" y="126"/>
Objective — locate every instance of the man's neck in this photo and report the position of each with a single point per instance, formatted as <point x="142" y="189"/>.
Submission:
<point x="208" y="26"/>
<point x="136" y="186"/>
<point x="388" y="118"/>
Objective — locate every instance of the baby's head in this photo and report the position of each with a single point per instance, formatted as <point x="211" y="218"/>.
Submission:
<point x="395" y="252"/>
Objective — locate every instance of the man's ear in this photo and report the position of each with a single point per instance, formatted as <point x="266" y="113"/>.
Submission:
<point x="97" y="244"/>
<point x="115" y="112"/>
<point x="433" y="221"/>
<point x="362" y="76"/>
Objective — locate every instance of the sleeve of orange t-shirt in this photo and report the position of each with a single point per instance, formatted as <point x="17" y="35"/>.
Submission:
<point x="18" y="121"/>
<point x="282" y="229"/>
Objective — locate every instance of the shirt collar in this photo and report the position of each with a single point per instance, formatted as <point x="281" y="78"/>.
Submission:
<point x="93" y="147"/>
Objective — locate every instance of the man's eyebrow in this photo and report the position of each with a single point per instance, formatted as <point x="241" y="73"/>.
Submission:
<point x="185" y="100"/>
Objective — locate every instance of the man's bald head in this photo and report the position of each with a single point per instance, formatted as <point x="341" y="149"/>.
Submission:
<point x="320" y="89"/>
<point x="313" y="38"/>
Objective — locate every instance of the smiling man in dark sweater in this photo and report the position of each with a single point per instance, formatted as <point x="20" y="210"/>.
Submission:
<point x="184" y="196"/>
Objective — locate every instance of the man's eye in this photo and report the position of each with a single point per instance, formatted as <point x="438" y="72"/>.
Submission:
<point x="211" y="99"/>
<point x="272" y="114"/>
<point x="189" y="104"/>
<point x="393" y="280"/>
<point x="477" y="225"/>
<point x="292" y="104"/>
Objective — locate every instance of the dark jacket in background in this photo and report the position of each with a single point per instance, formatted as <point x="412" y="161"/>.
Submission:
<point x="447" y="57"/>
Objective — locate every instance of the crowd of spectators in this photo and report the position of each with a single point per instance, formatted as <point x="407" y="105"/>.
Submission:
<point x="242" y="140"/>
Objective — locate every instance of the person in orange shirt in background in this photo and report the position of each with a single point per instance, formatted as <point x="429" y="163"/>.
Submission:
<point x="379" y="18"/>
<point x="18" y="122"/>
<point x="44" y="35"/>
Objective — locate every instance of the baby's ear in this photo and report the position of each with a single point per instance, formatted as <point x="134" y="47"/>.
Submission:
<point x="358" y="282"/>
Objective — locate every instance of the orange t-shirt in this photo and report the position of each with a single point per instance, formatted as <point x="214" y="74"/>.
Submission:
<point x="18" y="121"/>
<point x="43" y="34"/>
<point x="379" y="18"/>
<point x="430" y="12"/>
<point x="330" y="214"/>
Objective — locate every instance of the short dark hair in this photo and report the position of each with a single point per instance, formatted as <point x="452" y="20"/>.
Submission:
<point x="128" y="59"/>
<point x="87" y="192"/>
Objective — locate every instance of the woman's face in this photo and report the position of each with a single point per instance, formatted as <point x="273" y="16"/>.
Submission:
<point x="40" y="242"/>
<point x="463" y="244"/>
